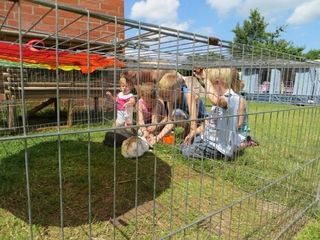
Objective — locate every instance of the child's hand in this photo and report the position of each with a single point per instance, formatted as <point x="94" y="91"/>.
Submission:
<point x="129" y="103"/>
<point x="127" y="123"/>
<point x="126" y="105"/>
<point x="108" y="94"/>
<point x="146" y="134"/>
<point x="188" y="139"/>
<point x="222" y="102"/>
<point x="151" y="139"/>
<point x="151" y="129"/>
<point x="127" y="119"/>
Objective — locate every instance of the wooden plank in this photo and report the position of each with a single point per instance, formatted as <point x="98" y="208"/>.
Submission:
<point x="41" y="106"/>
<point x="64" y="92"/>
<point x="12" y="114"/>
<point x="70" y="111"/>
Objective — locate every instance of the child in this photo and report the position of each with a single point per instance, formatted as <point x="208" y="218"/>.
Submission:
<point x="182" y="104"/>
<point x="243" y="126"/>
<point x="125" y="101"/>
<point x="151" y="110"/>
<point x="219" y="134"/>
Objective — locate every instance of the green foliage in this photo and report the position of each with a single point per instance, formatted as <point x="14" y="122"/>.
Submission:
<point x="313" y="54"/>
<point x="254" y="32"/>
<point x="283" y="46"/>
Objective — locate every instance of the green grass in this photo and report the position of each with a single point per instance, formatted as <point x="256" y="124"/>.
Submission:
<point x="312" y="229"/>
<point x="182" y="190"/>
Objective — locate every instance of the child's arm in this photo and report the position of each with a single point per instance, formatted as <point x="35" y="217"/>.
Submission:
<point x="219" y="101"/>
<point x="155" y="118"/>
<point x="164" y="119"/>
<point x="215" y="98"/>
<point x="191" y="99"/>
<point x="158" y="116"/>
<point x="193" y="133"/>
<point x="169" y="111"/>
<point x="141" y="120"/>
<point x="193" y="111"/>
<point x="167" y="128"/>
<point x="109" y="95"/>
<point x="242" y="107"/>
<point x="131" y="102"/>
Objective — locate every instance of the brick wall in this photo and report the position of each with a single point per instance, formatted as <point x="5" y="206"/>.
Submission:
<point x="31" y="14"/>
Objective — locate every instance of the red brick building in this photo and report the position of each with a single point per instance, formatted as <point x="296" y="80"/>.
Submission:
<point x="36" y="19"/>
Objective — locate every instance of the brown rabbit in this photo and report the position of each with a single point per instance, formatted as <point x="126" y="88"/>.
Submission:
<point x="134" y="147"/>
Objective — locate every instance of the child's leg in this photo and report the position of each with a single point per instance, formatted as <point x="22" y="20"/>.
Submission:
<point x="199" y="149"/>
<point x="128" y="116"/>
<point x="249" y="142"/>
<point x="119" y="123"/>
<point x="121" y="120"/>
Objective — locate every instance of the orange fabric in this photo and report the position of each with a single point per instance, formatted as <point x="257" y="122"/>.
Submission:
<point x="10" y="51"/>
<point x="168" y="139"/>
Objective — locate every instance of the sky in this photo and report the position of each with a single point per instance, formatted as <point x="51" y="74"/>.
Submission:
<point x="218" y="17"/>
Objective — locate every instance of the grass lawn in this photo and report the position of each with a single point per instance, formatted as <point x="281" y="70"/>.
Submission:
<point x="148" y="197"/>
<point x="311" y="230"/>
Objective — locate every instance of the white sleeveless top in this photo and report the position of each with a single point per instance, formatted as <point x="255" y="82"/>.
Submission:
<point x="221" y="128"/>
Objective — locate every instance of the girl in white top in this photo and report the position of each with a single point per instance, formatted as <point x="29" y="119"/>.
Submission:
<point x="125" y="101"/>
<point x="219" y="134"/>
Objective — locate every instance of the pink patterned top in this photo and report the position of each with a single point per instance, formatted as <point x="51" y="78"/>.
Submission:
<point x="122" y="99"/>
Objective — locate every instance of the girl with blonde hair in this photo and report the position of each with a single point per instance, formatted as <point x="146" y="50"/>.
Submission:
<point x="125" y="101"/>
<point x="219" y="134"/>
<point x="151" y="110"/>
<point x="182" y="103"/>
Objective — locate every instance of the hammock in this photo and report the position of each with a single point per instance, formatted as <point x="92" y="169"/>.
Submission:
<point x="43" y="58"/>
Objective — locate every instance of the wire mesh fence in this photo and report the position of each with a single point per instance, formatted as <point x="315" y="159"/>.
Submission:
<point x="59" y="181"/>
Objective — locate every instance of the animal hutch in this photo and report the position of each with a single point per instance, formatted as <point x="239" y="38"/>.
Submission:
<point x="39" y="80"/>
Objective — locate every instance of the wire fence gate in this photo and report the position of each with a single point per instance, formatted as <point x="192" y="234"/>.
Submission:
<point x="58" y="181"/>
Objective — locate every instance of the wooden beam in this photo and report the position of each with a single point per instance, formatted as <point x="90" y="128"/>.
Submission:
<point x="70" y="111"/>
<point x="42" y="105"/>
<point x="12" y="113"/>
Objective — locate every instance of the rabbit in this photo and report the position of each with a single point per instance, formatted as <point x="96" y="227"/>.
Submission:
<point x="134" y="147"/>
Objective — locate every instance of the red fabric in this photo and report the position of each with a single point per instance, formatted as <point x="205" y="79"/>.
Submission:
<point x="10" y="51"/>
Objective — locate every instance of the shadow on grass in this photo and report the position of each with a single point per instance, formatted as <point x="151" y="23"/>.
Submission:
<point x="44" y="183"/>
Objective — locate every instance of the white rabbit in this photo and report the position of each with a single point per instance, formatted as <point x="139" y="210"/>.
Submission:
<point x="134" y="147"/>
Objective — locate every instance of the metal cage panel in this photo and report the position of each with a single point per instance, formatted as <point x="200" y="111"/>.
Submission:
<point x="58" y="180"/>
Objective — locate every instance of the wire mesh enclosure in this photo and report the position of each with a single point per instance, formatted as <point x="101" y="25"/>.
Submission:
<point x="59" y="181"/>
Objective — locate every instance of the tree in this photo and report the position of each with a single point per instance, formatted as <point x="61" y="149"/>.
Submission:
<point x="313" y="54"/>
<point x="283" y="46"/>
<point x="254" y="32"/>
